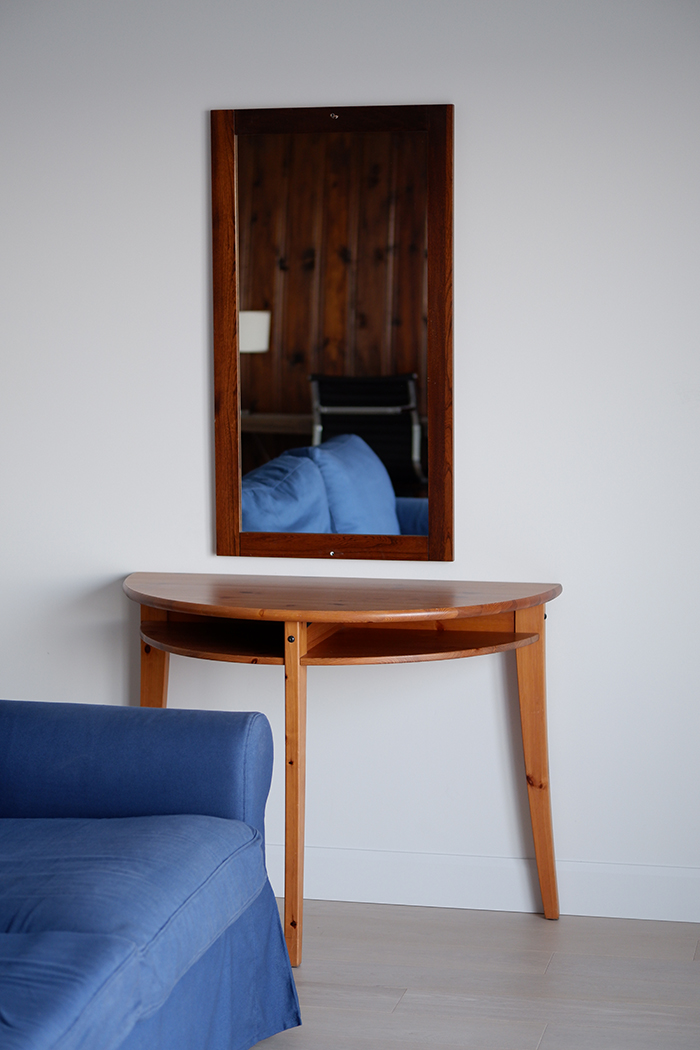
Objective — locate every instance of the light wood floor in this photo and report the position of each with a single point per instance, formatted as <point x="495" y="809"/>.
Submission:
<point x="386" y="976"/>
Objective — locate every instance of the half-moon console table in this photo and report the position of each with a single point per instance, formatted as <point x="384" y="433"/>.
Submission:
<point x="298" y="622"/>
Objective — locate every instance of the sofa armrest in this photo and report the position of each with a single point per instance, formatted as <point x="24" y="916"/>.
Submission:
<point x="84" y="760"/>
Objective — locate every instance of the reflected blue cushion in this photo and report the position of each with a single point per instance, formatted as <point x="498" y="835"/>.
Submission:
<point x="285" y="495"/>
<point x="360" y="494"/>
<point x="412" y="512"/>
<point x="143" y="899"/>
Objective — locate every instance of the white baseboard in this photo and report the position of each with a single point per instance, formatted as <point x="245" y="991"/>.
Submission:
<point x="631" y="891"/>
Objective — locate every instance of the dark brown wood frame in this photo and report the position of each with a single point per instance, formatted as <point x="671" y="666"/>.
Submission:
<point x="437" y="123"/>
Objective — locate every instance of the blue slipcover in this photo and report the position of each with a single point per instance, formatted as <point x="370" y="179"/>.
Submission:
<point x="285" y="495"/>
<point x="135" y="909"/>
<point x="360" y="494"/>
<point x="244" y="959"/>
<point x="341" y="486"/>
<point x="412" y="512"/>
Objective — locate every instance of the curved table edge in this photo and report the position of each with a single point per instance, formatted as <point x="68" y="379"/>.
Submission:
<point x="137" y="589"/>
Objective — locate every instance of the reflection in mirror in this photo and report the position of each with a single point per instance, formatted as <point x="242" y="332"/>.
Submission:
<point x="332" y="240"/>
<point x="337" y="416"/>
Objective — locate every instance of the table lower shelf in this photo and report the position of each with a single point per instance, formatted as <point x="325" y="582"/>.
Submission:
<point x="254" y="641"/>
<point x="236" y="641"/>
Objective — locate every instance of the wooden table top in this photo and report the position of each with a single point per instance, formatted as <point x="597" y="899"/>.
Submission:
<point x="329" y="600"/>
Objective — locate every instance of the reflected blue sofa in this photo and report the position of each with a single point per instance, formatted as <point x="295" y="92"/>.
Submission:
<point x="340" y="486"/>
<point x="135" y="908"/>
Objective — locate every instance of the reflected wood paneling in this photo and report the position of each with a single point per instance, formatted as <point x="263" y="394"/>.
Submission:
<point x="335" y="351"/>
<point x="332" y="240"/>
<point x="265" y="176"/>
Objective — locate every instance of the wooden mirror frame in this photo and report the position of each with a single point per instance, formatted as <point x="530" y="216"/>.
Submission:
<point x="436" y="122"/>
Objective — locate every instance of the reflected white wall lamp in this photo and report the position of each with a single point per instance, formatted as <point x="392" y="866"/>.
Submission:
<point x="254" y="331"/>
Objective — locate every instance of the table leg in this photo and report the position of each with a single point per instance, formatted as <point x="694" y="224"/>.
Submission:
<point x="155" y="665"/>
<point x="295" y="785"/>
<point x="533" y="716"/>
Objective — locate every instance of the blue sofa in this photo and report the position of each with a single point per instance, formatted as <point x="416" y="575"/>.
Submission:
<point x="135" y="909"/>
<point x="340" y="486"/>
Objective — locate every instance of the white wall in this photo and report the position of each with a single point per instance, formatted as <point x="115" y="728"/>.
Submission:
<point x="577" y="391"/>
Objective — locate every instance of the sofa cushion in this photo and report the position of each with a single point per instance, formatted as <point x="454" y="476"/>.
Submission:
<point x="360" y="494"/>
<point x="412" y="512"/>
<point x="148" y="895"/>
<point x="285" y="495"/>
<point x="50" y="981"/>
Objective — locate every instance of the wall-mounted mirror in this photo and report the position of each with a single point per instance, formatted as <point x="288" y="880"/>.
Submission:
<point x="332" y="281"/>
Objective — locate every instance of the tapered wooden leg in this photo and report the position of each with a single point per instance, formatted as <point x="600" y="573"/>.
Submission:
<point x="533" y="716"/>
<point x="295" y="786"/>
<point x="155" y="665"/>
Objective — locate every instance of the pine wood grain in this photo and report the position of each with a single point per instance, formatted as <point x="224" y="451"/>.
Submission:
<point x="234" y="641"/>
<point x="295" y="785"/>
<point x="330" y="599"/>
<point x="350" y="621"/>
<point x="155" y="665"/>
<point x="533" y="717"/>
<point x="365" y="645"/>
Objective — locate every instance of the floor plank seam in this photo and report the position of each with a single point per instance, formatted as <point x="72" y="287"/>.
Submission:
<point x="399" y="1002"/>
<point x="544" y="1032"/>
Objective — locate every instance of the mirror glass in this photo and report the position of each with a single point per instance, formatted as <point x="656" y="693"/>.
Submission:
<point x="332" y="237"/>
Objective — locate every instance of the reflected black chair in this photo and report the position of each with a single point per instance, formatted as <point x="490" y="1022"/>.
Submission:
<point x="383" y="411"/>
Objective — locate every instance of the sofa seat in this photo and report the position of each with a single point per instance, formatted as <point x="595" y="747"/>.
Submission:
<point x="99" y="919"/>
